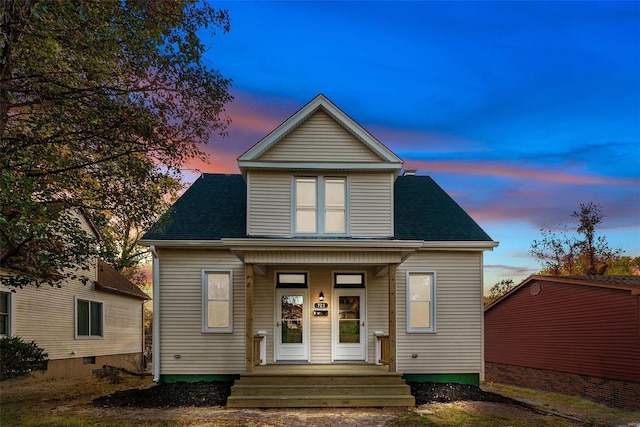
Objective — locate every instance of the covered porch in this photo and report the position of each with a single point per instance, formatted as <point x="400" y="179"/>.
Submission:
<point x="325" y="269"/>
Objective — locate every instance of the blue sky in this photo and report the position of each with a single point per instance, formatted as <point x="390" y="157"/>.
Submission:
<point x="519" y="110"/>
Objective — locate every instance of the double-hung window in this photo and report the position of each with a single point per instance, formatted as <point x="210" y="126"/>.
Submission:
<point x="217" y="301"/>
<point x="320" y="205"/>
<point x="89" y="318"/>
<point x="5" y="314"/>
<point x="421" y="301"/>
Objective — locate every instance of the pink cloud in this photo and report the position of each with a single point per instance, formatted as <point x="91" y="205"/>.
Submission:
<point x="500" y="169"/>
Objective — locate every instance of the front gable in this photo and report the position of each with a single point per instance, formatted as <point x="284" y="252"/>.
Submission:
<point x="319" y="136"/>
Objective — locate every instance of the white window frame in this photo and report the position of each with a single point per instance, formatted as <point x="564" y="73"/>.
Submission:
<point x="9" y="313"/>
<point x="432" y="302"/>
<point x="205" y="302"/>
<point x="102" y="315"/>
<point x="320" y="206"/>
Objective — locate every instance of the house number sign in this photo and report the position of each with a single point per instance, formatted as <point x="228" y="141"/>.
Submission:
<point x="321" y="309"/>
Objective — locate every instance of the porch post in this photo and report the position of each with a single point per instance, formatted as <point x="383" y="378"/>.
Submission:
<point x="393" y="268"/>
<point x="248" y="322"/>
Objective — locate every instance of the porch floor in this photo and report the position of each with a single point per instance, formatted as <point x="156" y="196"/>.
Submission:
<point x="329" y="368"/>
<point x="285" y="385"/>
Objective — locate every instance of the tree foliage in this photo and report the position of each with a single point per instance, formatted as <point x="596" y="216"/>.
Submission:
<point x="582" y="252"/>
<point x="101" y="105"/>
<point x="499" y="289"/>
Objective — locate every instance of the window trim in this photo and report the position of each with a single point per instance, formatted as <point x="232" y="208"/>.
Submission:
<point x="284" y="285"/>
<point x="320" y="205"/>
<point x="102" y="315"/>
<point x="432" y="314"/>
<point x="361" y="285"/>
<point x="205" y="302"/>
<point x="9" y="314"/>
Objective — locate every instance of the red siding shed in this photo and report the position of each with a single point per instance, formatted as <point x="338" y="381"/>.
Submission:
<point x="587" y="326"/>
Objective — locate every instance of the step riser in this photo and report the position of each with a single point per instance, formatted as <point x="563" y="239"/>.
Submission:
<point x="320" y="391"/>
<point x="320" y="380"/>
<point x="321" y="402"/>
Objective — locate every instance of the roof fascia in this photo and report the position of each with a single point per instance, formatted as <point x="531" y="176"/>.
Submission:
<point x="320" y="166"/>
<point x="586" y="282"/>
<point x="376" y="245"/>
<point x="564" y="280"/>
<point x="480" y="245"/>
<point x="320" y="101"/>
<point x="197" y="244"/>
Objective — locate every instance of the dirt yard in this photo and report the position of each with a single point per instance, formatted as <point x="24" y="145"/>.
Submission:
<point x="70" y="403"/>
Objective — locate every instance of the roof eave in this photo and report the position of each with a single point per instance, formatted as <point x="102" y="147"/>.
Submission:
<point x="473" y="245"/>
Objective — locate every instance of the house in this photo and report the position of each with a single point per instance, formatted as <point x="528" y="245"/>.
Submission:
<point x="80" y="326"/>
<point x="318" y="254"/>
<point x="577" y="335"/>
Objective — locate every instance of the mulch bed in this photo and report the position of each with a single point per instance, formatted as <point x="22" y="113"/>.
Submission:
<point x="215" y="393"/>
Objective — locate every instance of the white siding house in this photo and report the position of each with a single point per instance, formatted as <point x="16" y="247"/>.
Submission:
<point x="79" y="326"/>
<point x="324" y="251"/>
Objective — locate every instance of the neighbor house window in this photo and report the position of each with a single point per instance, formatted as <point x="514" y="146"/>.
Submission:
<point x="89" y="318"/>
<point x="5" y="314"/>
<point x="217" y="301"/>
<point x="320" y="205"/>
<point x="421" y="301"/>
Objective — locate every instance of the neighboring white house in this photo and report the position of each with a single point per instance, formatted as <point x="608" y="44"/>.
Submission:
<point x="322" y="248"/>
<point x="80" y="326"/>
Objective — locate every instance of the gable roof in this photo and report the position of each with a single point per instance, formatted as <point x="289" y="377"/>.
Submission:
<point x="388" y="160"/>
<point x="625" y="283"/>
<point x="214" y="207"/>
<point x="110" y="280"/>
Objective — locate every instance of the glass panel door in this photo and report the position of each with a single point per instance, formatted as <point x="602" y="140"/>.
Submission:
<point x="292" y="335"/>
<point x="349" y="324"/>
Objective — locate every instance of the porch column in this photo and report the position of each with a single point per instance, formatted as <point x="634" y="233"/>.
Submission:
<point x="248" y="320"/>
<point x="393" y="269"/>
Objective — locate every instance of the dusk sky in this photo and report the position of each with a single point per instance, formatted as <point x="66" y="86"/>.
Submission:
<point x="519" y="110"/>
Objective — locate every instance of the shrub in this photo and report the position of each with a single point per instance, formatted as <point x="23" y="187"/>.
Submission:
<point x="18" y="357"/>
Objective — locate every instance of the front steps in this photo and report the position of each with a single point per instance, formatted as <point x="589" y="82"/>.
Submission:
<point x="319" y="388"/>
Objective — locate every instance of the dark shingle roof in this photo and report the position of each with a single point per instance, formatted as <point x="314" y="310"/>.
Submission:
<point x="214" y="207"/>
<point x="424" y="211"/>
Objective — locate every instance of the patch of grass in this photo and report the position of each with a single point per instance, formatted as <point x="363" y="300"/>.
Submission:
<point x="29" y="403"/>
<point x="589" y="411"/>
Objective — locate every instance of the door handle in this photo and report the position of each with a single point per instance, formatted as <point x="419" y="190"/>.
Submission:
<point x="362" y="324"/>
<point x="277" y="324"/>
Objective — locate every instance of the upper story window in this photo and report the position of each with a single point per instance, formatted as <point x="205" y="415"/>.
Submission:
<point x="320" y="205"/>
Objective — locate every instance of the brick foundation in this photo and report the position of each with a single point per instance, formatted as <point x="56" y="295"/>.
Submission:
<point x="619" y="394"/>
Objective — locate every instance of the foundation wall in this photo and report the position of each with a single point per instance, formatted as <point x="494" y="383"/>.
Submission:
<point x="614" y="393"/>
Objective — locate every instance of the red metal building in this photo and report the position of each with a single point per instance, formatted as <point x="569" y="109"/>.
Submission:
<point x="577" y="335"/>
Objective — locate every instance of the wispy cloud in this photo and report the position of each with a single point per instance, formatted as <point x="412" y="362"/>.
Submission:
<point x="502" y="169"/>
